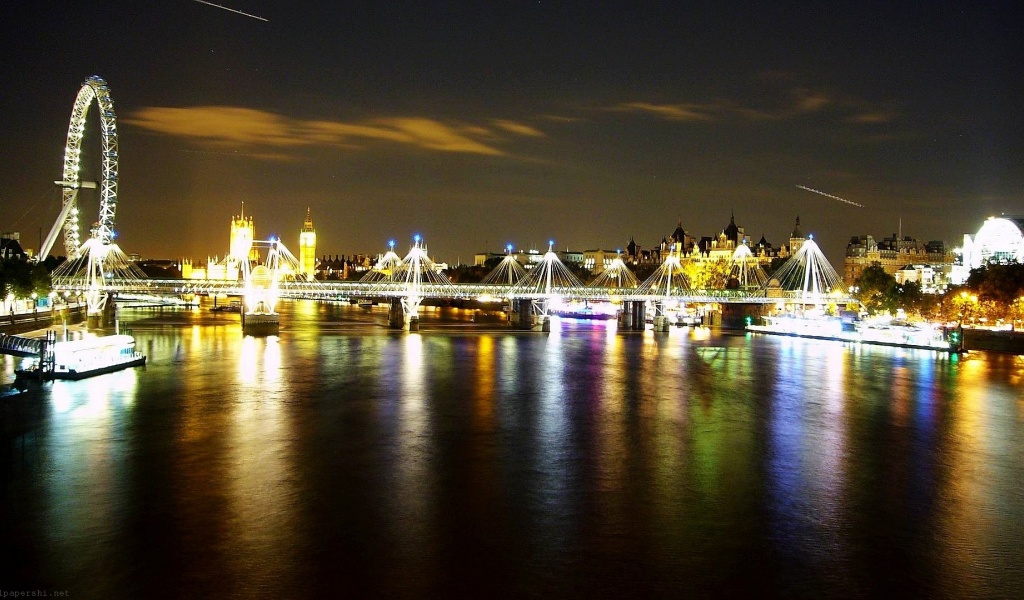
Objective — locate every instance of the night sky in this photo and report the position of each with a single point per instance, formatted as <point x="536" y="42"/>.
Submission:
<point x="479" y="124"/>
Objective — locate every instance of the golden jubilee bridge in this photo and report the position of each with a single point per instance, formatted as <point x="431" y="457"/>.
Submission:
<point x="530" y="296"/>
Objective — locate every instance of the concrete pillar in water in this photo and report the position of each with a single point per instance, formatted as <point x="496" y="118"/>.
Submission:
<point x="104" y="318"/>
<point x="626" y="316"/>
<point x="661" y="323"/>
<point x="396" y="314"/>
<point x="261" y="324"/>
<point x="736" y="316"/>
<point x="414" y="323"/>
<point x="640" y="316"/>
<point x="523" y="317"/>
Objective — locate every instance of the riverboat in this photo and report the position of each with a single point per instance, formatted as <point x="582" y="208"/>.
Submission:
<point x="585" y="313"/>
<point x="234" y="307"/>
<point x="87" y="357"/>
<point x="924" y="337"/>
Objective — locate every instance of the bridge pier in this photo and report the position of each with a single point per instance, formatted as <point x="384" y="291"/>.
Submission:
<point x="734" y="316"/>
<point x="403" y="313"/>
<point x="625" y="318"/>
<point x="260" y="324"/>
<point x="103" y="317"/>
<point x="396" y="314"/>
<point x="521" y="317"/>
<point x="411" y="304"/>
<point x="640" y="316"/>
<point x="633" y="316"/>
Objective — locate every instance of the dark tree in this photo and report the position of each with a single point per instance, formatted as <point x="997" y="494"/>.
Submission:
<point x="876" y="290"/>
<point x="1002" y="284"/>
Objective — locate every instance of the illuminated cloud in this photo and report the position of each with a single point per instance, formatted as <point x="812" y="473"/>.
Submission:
<point x="430" y="134"/>
<point x="671" y="112"/>
<point x="561" y="118"/>
<point x="219" y="125"/>
<point x="870" y="118"/>
<point x="809" y="101"/>
<point x="775" y="103"/>
<point x="518" y="128"/>
<point x="227" y="126"/>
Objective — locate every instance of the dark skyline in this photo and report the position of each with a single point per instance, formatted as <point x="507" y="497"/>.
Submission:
<point x="480" y="124"/>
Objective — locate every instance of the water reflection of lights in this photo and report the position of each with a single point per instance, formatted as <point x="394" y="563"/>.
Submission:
<point x="259" y="362"/>
<point x="61" y="397"/>
<point x="984" y="424"/>
<point x="412" y="436"/>
<point x="824" y="453"/>
<point x="259" y="455"/>
<point x="88" y="454"/>
<point x="247" y="360"/>
<point x="307" y="309"/>
<point x="785" y="423"/>
<point x="553" y="429"/>
<point x="484" y="389"/>
<point x="610" y="448"/>
<point x="611" y="330"/>
<point x="272" y="360"/>
<point x="508" y="366"/>
<point x="412" y="370"/>
<point x="412" y="407"/>
<point x="91" y="398"/>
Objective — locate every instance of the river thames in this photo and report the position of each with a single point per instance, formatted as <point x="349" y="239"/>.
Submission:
<point x="344" y="459"/>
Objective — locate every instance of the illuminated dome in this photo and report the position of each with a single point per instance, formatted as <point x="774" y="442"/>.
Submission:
<point x="1000" y="239"/>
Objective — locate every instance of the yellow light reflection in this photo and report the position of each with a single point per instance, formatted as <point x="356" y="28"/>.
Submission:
<point x="610" y="446"/>
<point x="272" y="360"/>
<point x="84" y="496"/>
<point x="969" y="494"/>
<point x="247" y="361"/>
<point x="412" y="468"/>
<point x="483" y="392"/>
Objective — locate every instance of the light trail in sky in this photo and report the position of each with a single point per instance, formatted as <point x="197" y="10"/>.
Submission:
<point x="819" y="192"/>
<point x="229" y="9"/>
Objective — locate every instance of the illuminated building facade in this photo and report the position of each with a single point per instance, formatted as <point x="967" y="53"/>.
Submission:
<point x="905" y="258"/>
<point x="697" y="252"/>
<point x="243" y="232"/>
<point x="713" y="249"/>
<point x="240" y="244"/>
<point x="596" y="261"/>
<point x="1000" y="240"/>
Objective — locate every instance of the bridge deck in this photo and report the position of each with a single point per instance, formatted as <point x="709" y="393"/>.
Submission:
<point x="339" y="290"/>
